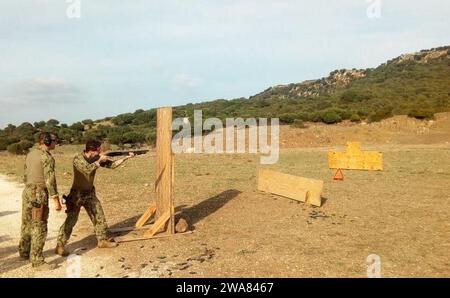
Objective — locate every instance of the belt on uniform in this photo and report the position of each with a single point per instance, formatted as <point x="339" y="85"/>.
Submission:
<point x="82" y="192"/>
<point x="35" y="187"/>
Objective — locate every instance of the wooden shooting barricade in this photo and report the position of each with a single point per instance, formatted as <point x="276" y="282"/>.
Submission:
<point x="354" y="159"/>
<point x="163" y="210"/>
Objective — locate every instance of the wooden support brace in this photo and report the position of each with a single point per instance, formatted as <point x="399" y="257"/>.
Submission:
<point x="145" y="217"/>
<point x="159" y="223"/>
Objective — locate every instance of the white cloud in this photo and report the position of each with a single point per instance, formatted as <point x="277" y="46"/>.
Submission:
<point x="41" y="91"/>
<point x="186" y="81"/>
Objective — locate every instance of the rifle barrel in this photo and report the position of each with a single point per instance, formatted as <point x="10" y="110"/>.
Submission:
<point x="126" y="152"/>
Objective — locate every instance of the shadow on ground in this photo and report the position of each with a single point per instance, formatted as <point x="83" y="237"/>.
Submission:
<point x="4" y="238"/>
<point x="193" y="214"/>
<point x="5" y="213"/>
<point x="209" y="206"/>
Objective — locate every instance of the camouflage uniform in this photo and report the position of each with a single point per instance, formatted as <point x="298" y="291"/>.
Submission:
<point x="83" y="194"/>
<point x="40" y="183"/>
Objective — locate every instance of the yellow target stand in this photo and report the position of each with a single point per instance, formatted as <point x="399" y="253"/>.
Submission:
<point x="355" y="159"/>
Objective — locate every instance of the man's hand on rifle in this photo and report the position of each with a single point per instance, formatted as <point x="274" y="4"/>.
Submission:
<point x="130" y="155"/>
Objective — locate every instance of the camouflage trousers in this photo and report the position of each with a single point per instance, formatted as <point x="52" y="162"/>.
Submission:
<point x="34" y="223"/>
<point x="93" y="207"/>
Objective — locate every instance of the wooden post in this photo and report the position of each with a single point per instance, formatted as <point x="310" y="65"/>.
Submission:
<point x="164" y="168"/>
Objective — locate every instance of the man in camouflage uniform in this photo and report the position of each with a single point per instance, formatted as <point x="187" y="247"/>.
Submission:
<point x="40" y="183"/>
<point x="83" y="194"/>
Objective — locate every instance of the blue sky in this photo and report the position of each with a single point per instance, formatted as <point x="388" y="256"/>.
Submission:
<point x="120" y="56"/>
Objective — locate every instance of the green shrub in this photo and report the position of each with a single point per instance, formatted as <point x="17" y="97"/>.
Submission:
<point x="52" y="122"/>
<point x="3" y="144"/>
<point x="39" y="124"/>
<point x="150" y="137"/>
<point x="287" y="118"/>
<point x="97" y="134"/>
<point x="88" y="122"/>
<point x="298" y="124"/>
<point x="350" y="96"/>
<point x="6" y="141"/>
<point x="331" y="117"/>
<point x="380" y="114"/>
<point x="344" y="114"/>
<point x="145" y="118"/>
<point x="421" y="113"/>
<point x="355" y="118"/>
<point x="20" y="148"/>
<point x="123" y="119"/>
<point x="316" y="117"/>
<point x="376" y="117"/>
<point x="15" y="149"/>
<point x="77" y="126"/>
<point x="115" y="138"/>
<point x="133" y="137"/>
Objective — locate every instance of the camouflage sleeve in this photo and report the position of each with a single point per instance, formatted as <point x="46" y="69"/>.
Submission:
<point x="112" y="164"/>
<point x="48" y="163"/>
<point x="83" y="166"/>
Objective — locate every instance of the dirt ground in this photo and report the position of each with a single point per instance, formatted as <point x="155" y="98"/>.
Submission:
<point x="400" y="214"/>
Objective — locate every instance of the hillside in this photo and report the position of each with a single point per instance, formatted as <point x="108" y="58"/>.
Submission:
<point x="415" y="84"/>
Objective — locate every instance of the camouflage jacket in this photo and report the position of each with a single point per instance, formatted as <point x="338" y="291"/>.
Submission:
<point x="40" y="169"/>
<point x="84" y="172"/>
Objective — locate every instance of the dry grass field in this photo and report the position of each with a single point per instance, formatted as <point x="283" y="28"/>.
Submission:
<point x="401" y="214"/>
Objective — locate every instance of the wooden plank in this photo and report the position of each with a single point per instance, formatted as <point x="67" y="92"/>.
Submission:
<point x="293" y="187"/>
<point x="163" y="167"/>
<point x="130" y="238"/>
<point x="159" y="223"/>
<point x="144" y="218"/>
<point x="128" y="229"/>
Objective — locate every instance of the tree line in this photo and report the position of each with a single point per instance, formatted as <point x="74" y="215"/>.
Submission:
<point x="408" y="87"/>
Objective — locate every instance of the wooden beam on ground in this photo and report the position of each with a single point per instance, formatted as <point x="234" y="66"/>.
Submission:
<point x="145" y="217"/>
<point x="128" y="229"/>
<point x="159" y="223"/>
<point x="164" y="169"/>
<point x="130" y="238"/>
<point x="290" y="186"/>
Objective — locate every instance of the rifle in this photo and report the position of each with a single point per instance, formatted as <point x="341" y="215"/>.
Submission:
<point x="119" y="153"/>
<point x="126" y="152"/>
